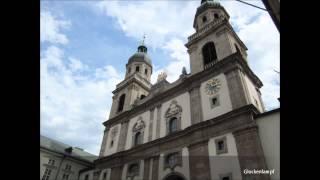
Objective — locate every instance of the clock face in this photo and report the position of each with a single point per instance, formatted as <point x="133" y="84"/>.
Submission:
<point x="212" y="86"/>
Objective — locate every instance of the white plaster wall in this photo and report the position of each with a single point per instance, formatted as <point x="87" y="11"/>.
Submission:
<point x="269" y="132"/>
<point x="184" y="101"/>
<point x="108" y="171"/>
<point x="253" y="94"/>
<point x="224" y="97"/>
<point x="110" y="150"/>
<point x="184" y="170"/>
<point x="146" y="118"/>
<point x="224" y="163"/>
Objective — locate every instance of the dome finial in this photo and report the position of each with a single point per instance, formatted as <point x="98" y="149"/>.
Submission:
<point x="142" y="47"/>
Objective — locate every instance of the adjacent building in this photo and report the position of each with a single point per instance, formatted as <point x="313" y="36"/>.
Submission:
<point x="59" y="161"/>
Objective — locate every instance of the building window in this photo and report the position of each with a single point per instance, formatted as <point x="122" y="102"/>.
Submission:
<point x="46" y="174"/>
<point x="142" y="96"/>
<point x="227" y="176"/>
<point x="214" y="102"/>
<point x="209" y="54"/>
<point x="204" y="19"/>
<point x="133" y="170"/>
<point x="216" y="16"/>
<point x="137" y="139"/>
<point x="68" y="167"/>
<point x="65" y="177"/>
<point x="121" y="102"/>
<point x="104" y="177"/>
<point x="146" y="71"/>
<point x="51" y="162"/>
<point x="86" y="177"/>
<point x="137" y="68"/>
<point x="221" y="145"/>
<point x="111" y="143"/>
<point x="173" y="117"/>
<point x="173" y="125"/>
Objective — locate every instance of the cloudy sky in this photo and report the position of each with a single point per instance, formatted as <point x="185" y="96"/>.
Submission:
<point x="86" y="44"/>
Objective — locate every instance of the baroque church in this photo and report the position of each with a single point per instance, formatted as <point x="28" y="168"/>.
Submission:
<point x="204" y="126"/>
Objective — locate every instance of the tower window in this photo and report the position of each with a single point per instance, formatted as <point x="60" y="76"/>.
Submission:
<point x="214" y="102"/>
<point x="142" y="96"/>
<point x="215" y="15"/>
<point x="121" y="102"/>
<point x="138" y="138"/>
<point x="104" y="176"/>
<point x="173" y="125"/>
<point x="111" y="143"/>
<point x="237" y="48"/>
<point x="137" y="68"/>
<point x="204" y="19"/>
<point x="146" y="71"/>
<point x="221" y="145"/>
<point x="86" y="177"/>
<point x="209" y="54"/>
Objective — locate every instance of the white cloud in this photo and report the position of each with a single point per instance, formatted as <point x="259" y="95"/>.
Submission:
<point x="168" y="25"/>
<point x="50" y="28"/>
<point x="73" y="105"/>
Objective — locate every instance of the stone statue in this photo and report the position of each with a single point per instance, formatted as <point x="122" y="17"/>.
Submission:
<point x="162" y="76"/>
<point x="184" y="71"/>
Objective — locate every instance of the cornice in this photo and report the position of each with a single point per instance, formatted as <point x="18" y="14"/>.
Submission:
<point x="190" y="136"/>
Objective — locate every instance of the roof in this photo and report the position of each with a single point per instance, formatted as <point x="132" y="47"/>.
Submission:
<point x="141" y="56"/>
<point x="268" y="113"/>
<point x="60" y="147"/>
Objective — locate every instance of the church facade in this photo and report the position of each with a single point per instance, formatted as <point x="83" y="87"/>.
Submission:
<point x="200" y="127"/>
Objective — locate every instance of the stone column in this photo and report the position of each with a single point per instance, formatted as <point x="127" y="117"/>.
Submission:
<point x="146" y="170"/>
<point x="195" y="104"/>
<point x="155" y="168"/>
<point x="199" y="161"/>
<point x="250" y="153"/>
<point x="123" y="135"/>
<point x="116" y="173"/>
<point x="151" y="124"/>
<point x="158" y="121"/>
<point x="104" y="141"/>
<point x="237" y="88"/>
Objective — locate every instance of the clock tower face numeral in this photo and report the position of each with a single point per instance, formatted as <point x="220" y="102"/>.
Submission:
<point x="212" y="86"/>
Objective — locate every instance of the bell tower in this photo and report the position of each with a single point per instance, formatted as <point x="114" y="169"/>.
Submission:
<point x="136" y="84"/>
<point x="214" y="38"/>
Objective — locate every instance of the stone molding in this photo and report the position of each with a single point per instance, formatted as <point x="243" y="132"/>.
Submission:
<point x="196" y="134"/>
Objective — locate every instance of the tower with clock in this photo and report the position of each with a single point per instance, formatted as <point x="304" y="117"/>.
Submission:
<point x="202" y="126"/>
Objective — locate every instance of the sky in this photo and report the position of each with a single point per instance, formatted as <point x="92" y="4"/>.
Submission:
<point x="86" y="44"/>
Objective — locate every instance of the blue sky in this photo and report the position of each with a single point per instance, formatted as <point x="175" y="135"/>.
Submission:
<point x="86" y="44"/>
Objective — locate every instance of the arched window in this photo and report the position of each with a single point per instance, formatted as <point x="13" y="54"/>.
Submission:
<point x="142" y="96"/>
<point x="137" y="138"/>
<point x="209" y="53"/>
<point x="216" y="16"/>
<point x="133" y="170"/>
<point x="173" y="125"/>
<point x="137" y="68"/>
<point x="146" y="71"/>
<point x="121" y="102"/>
<point x="237" y="48"/>
<point x="204" y="19"/>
